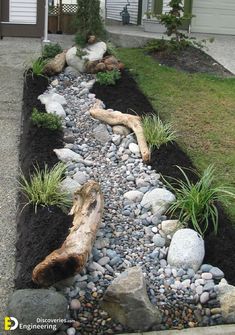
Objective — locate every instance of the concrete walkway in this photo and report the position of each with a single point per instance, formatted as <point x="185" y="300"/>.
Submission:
<point x="15" y="54"/>
<point x="222" y="49"/>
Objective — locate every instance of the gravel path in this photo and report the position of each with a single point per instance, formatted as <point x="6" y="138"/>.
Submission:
<point x="14" y="53"/>
<point x="131" y="233"/>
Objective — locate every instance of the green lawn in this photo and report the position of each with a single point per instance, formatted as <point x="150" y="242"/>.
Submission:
<point x="202" y="108"/>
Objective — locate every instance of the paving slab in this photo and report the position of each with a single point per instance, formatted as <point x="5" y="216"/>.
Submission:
<point x="15" y="55"/>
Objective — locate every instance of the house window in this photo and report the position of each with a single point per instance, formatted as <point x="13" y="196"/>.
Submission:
<point x="23" y="12"/>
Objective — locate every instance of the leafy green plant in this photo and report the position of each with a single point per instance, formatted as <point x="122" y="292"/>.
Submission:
<point x="46" y="120"/>
<point x="80" y="52"/>
<point x="51" y="50"/>
<point x="108" y="77"/>
<point x="156" y="132"/>
<point x="38" y="67"/>
<point x="196" y="203"/>
<point x="174" y="20"/>
<point x="43" y="187"/>
<point x="88" y="21"/>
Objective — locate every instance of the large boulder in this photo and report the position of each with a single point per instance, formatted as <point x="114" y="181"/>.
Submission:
<point x="32" y="306"/>
<point x="186" y="249"/>
<point x="226" y="295"/>
<point x="93" y="52"/>
<point x="126" y="301"/>
<point x="159" y="200"/>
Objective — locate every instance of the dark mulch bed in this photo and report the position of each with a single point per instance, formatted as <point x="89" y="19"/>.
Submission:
<point x="191" y="60"/>
<point x="38" y="234"/>
<point x="220" y="249"/>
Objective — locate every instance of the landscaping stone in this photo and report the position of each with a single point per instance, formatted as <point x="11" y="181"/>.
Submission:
<point x="126" y="300"/>
<point x="216" y="273"/>
<point x="30" y="304"/>
<point x="134" y="148"/>
<point x="226" y="295"/>
<point x="92" y="52"/>
<point x="101" y="133"/>
<point x="186" y="249"/>
<point x="80" y="177"/>
<point x="135" y="196"/>
<point x="158" y="199"/>
<point x="121" y="130"/>
<point x="169" y="227"/>
<point x="69" y="185"/>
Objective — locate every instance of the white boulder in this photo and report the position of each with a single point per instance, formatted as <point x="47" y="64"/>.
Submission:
<point x="159" y="199"/>
<point x="93" y="52"/>
<point x="67" y="155"/>
<point x="55" y="108"/>
<point x="135" y="196"/>
<point x="186" y="249"/>
<point x="52" y="97"/>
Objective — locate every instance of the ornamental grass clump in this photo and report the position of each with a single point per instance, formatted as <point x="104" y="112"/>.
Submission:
<point x="156" y="132"/>
<point x="196" y="202"/>
<point x="38" y="67"/>
<point x="43" y="187"/>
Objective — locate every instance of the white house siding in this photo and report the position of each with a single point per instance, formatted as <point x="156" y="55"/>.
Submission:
<point x="214" y="16"/>
<point x="23" y="11"/>
<point x="114" y="7"/>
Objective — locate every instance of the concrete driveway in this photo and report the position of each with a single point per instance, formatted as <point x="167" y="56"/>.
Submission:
<point x="15" y="54"/>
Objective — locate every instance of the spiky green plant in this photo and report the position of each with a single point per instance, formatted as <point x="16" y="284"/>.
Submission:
<point x="156" y="132"/>
<point x="43" y="187"/>
<point x="196" y="202"/>
<point x="38" y="67"/>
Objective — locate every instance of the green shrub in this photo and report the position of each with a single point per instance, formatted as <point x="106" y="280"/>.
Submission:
<point x="46" y="120"/>
<point x="38" y="67"/>
<point x="111" y="49"/>
<point x="43" y="187"/>
<point x="108" y="77"/>
<point x="88" y="21"/>
<point x="156" y="132"/>
<point x="196" y="203"/>
<point x="51" y="50"/>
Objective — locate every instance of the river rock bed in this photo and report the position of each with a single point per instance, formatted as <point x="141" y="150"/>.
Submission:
<point x="131" y="233"/>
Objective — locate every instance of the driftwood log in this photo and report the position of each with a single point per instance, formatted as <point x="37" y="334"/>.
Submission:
<point x="131" y="121"/>
<point x="55" y="65"/>
<point x="74" y="252"/>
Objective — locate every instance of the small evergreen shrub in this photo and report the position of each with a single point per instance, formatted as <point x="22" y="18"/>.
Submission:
<point x="88" y="21"/>
<point x="51" y="50"/>
<point x="111" y="49"/>
<point x="108" y="77"/>
<point x="46" y="120"/>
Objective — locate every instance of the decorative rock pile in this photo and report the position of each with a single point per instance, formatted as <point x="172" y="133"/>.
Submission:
<point x="135" y="233"/>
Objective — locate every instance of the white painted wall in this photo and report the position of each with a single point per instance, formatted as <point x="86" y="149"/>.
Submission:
<point x="24" y="12"/>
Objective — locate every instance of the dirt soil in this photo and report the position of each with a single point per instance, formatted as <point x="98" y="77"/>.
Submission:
<point x="192" y="60"/>
<point x="125" y="97"/>
<point x="41" y="233"/>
